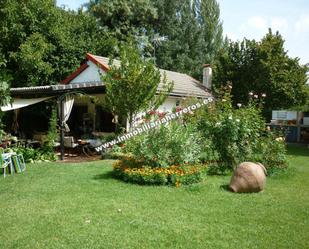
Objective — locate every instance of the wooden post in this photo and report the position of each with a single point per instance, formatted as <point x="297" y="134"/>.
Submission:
<point x="298" y="126"/>
<point x="61" y="130"/>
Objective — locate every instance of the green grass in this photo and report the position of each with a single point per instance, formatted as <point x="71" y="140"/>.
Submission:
<point x="56" y="205"/>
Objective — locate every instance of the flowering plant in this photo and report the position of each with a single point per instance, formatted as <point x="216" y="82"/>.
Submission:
<point x="175" y="175"/>
<point x="236" y="133"/>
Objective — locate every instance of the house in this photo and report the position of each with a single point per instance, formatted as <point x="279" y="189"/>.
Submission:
<point x="87" y="116"/>
<point x="93" y="115"/>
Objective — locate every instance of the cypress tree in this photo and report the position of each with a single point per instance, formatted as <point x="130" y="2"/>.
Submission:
<point x="194" y="33"/>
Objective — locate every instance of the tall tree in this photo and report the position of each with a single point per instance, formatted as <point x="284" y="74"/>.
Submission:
<point x="4" y="85"/>
<point x="194" y="34"/>
<point x="263" y="67"/>
<point x="43" y="43"/>
<point x="192" y="27"/>
<point x="4" y="93"/>
<point x="208" y="18"/>
<point x="4" y="98"/>
<point x="124" y="19"/>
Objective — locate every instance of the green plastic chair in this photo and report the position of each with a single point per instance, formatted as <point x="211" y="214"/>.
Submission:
<point x="19" y="163"/>
<point x="22" y="162"/>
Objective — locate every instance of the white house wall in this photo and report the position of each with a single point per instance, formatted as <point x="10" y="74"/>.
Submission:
<point x="168" y="105"/>
<point x="90" y="74"/>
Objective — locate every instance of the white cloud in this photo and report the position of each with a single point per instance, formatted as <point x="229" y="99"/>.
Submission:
<point x="232" y="36"/>
<point x="257" y="22"/>
<point x="251" y="19"/>
<point x="253" y="28"/>
<point x="302" y="25"/>
<point x="298" y="41"/>
<point x="261" y="24"/>
<point x="279" y="24"/>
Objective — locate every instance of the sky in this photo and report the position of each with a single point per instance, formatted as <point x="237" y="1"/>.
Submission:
<point x="252" y="18"/>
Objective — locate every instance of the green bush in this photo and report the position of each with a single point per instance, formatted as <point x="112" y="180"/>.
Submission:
<point x="232" y="135"/>
<point x="112" y="155"/>
<point x="271" y="152"/>
<point x="32" y="155"/>
<point x="233" y="132"/>
<point x="208" y="152"/>
<point x="217" y="134"/>
<point x="171" y="144"/>
<point x="52" y="135"/>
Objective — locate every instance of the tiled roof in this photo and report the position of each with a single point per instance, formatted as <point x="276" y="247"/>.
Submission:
<point x="184" y="85"/>
<point x="57" y="89"/>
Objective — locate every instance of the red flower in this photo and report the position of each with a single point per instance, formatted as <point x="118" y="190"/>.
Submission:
<point x="178" y="109"/>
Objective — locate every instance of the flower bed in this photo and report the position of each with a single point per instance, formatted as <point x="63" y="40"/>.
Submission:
<point x="135" y="172"/>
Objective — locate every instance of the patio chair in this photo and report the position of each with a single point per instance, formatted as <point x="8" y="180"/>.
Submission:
<point x="6" y="163"/>
<point x="69" y="142"/>
<point x="19" y="163"/>
<point x="22" y="162"/>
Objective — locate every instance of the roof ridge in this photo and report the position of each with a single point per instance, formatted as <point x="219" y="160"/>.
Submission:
<point x="175" y="72"/>
<point x="158" y="67"/>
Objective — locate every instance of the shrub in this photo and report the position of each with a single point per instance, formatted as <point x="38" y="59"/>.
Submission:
<point x="170" y="144"/>
<point x="33" y="155"/>
<point x="271" y="152"/>
<point x="52" y="135"/>
<point x="235" y="134"/>
<point x="220" y="135"/>
<point x="208" y="152"/>
<point x="112" y="155"/>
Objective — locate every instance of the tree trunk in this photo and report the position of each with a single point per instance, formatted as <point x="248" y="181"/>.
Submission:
<point x="130" y="122"/>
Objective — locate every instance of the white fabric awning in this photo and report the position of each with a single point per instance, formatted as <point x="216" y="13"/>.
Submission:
<point x="20" y="103"/>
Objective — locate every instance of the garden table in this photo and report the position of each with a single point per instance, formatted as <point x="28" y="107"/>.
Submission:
<point x="88" y="146"/>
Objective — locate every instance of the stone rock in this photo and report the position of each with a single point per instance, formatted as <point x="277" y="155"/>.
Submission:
<point x="248" y="177"/>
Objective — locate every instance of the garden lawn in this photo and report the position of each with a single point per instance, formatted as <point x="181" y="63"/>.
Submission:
<point x="55" y="205"/>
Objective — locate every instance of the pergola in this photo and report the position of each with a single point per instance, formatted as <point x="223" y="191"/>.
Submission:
<point x="25" y="96"/>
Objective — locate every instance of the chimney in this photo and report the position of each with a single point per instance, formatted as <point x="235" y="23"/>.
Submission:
<point x="207" y="75"/>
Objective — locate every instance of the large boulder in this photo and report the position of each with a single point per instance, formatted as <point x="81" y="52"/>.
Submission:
<point x="248" y="177"/>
